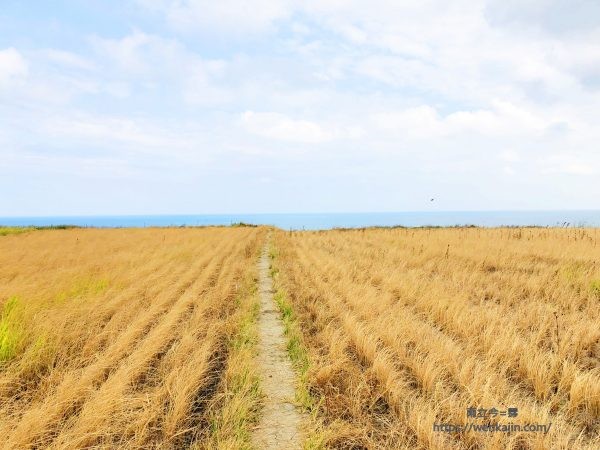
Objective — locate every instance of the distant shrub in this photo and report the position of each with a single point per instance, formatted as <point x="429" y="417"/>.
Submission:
<point x="56" y="227"/>
<point x="243" y="224"/>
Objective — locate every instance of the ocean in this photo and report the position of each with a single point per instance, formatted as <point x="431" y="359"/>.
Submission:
<point x="323" y="221"/>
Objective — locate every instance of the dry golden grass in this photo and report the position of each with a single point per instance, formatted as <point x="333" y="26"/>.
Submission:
<point x="407" y="328"/>
<point x="127" y="338"/>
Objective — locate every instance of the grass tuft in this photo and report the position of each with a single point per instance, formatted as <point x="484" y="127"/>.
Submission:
<point x="5" y="231"/>
<point x="11" y="330"/>
<point x="595" y="288"/>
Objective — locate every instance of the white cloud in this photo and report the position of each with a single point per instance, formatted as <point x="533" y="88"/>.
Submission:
<point x="129" y="52"/>
<point x="151" y="61"/>
<point x="12" y="66"/>
<point x="508" y="170"/>
<point x="419" y="122"/>
<point x="278" y="126"/>
<point x="88" y="166"/>
<point x="503" y="119"/>
<point x="570" y="164"/>
<point x="199" y="85"/>
<point x="118" y="89"/>
<point x="230" y="15"/>
<point x="510" y="156"/>
<point x="69" y="59"/>
<point x="177" y="141"/>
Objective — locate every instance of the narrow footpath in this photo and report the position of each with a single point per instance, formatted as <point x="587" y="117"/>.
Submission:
<point x="281" y="421"/>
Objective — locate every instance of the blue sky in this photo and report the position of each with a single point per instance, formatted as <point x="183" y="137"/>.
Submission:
<point x="192" y="106"/>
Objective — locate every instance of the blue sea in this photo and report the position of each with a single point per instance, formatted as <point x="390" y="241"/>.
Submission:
<point x="323" y="221"/>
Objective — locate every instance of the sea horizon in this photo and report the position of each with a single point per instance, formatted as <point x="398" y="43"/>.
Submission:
<point x="323" y="221"/>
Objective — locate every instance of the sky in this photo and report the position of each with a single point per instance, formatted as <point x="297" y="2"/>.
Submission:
<point x="200" y="107"/>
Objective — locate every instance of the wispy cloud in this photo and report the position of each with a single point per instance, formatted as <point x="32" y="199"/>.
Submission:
<point x="228" y="15"/>
<point x="281" y="127"/>
<point x="12" y="66"/>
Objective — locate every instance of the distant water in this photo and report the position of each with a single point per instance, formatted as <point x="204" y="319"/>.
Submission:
<point x="318" y="221"/>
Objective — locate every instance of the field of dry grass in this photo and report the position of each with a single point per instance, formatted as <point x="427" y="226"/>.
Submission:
<point x="397" y="330"/>
<point x="145" y="338"/>
<point x="127" y="338"/>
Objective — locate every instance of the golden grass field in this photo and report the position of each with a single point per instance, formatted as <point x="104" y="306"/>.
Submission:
<point x="145" y="338"/>
<point x="127" y="338"/>
<point x="395" y="330"/>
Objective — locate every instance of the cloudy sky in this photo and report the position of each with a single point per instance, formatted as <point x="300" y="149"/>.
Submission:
<point x="194" y="106"/>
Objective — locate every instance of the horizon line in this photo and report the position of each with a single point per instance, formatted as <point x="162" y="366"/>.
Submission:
<point x="298" y="213"/>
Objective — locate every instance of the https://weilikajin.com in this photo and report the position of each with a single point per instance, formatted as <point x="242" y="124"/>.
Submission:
<point x="492" y="428"/>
